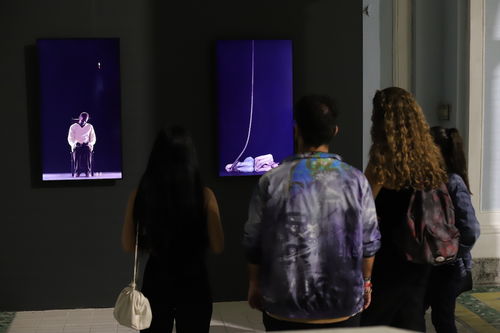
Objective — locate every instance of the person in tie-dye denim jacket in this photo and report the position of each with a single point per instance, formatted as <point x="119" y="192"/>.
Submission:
<point x="312" y="232"/>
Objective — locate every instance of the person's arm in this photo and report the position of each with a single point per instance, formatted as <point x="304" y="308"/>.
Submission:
<point x="128" y="231"/>
<point x="92" y="138"/>
<point x="215" y="232"/>
<point x="252" y="245"/>
<point x="372" y="179"/>
<point x="371" y="237"/>
<point x="367" y="267"/>
<point x="254" y="296"/>
<point x="465" y="215"/>
<point x="71" y="138"/>
<point x="371" y="233"/>
<point x="367" y="276"/>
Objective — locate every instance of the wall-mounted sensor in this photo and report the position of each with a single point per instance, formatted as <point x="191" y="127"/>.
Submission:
<point x="444" y="111"/>
<point x="366" y="10"/>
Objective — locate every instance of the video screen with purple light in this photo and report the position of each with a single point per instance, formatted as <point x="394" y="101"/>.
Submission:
<point x="80" y="108"/>
<point x="255" y="118"/>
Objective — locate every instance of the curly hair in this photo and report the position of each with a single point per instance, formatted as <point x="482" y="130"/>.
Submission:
<point x="403" y="152"/>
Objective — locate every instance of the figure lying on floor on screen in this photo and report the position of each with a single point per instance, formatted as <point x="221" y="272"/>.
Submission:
<point x="261" y="163"/>
<point x="81" y="138"/>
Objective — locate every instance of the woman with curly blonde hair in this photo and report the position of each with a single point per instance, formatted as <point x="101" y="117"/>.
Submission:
<point x="403" y="158"/>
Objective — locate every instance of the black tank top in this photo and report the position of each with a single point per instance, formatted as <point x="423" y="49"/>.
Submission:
<point x="390" y="264"/>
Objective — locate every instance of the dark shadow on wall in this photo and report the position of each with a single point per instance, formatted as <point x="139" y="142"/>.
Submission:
<point x="327" y="58"/>
<point x="54" y="257"/>
<point x="33" y="115"/>
<point x="185" y="36"/>
<point x="60" y="243"/>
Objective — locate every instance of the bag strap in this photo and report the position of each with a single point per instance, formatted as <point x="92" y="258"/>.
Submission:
<point x="136" y="261"/>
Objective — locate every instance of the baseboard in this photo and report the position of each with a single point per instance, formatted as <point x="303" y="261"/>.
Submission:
<point x="486" y="271"/>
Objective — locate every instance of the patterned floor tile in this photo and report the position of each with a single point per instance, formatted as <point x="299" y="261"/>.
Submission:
<point x="5" y="320"/>
<point x="482" y="303"/>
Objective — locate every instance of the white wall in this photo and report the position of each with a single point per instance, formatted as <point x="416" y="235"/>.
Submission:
<point x="484" y="131"/>
<point x="481" y="86"/>
<point x="377" y="59"/>
<point x="490" y="190"/>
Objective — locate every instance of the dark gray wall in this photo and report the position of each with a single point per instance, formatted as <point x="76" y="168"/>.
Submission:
<point x="60" y="245"/>
<point x="53" y="257"/>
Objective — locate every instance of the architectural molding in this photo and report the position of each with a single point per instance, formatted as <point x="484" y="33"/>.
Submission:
<point x="402" y="43"/>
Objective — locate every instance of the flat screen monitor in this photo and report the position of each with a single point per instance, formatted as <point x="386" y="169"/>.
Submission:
<point x="254" y="96"/>
<point x="80" y="109"/>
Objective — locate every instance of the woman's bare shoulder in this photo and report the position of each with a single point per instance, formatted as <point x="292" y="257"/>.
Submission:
<point x="207" y="191"/>
<point x="208" y="195"/>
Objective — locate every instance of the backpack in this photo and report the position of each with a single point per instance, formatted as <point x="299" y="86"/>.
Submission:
<point x="429" y="235"/>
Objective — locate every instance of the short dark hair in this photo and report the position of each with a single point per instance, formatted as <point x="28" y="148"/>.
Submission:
<point x="316" y="118"/>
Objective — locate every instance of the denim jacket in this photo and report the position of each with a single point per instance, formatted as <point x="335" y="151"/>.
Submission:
<point x="311" y="222"/>
<point x="465" y="218"/>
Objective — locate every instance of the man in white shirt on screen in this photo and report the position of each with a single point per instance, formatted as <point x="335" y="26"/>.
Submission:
<point x="81" y="138"/>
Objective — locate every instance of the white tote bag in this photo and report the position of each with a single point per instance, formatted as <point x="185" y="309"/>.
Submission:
<point x="132" y="308"/>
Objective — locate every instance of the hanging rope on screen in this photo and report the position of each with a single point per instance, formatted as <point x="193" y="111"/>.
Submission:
<point x="261" y="163"/>
<point x="235" y="163"/>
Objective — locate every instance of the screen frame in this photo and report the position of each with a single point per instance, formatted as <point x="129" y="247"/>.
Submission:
<point x="217" y="98"/>
<point x="38" y="178"/>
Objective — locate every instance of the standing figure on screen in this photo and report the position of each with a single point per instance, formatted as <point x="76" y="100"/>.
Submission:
<point x="81" y="138"/>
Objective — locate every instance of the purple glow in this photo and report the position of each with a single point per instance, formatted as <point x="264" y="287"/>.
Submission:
<point x="68" y="176"/>
<point x="255" y="105"/>
<point x="80" y="76"/>
<point x="262" y="163"/>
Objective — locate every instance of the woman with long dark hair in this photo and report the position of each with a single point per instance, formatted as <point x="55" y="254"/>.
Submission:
<point x="448" y="281"/>
<point x="178" y="220"/>
<point x="403" y="158"/>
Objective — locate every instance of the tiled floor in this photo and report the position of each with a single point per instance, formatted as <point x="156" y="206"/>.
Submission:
<point x="70" y="321"/>
<point x="227" y="317"/>
<point x="479" y="309"/>
<point x="478" y="312"/>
